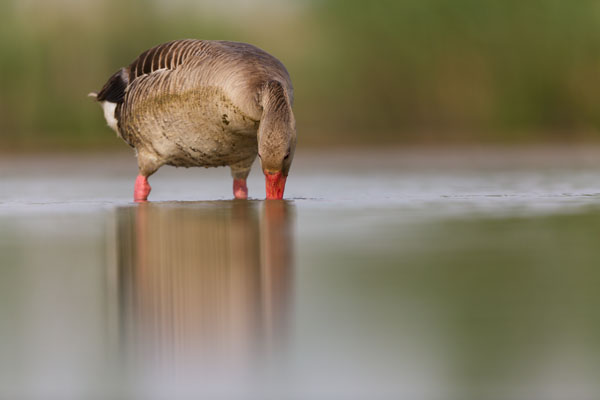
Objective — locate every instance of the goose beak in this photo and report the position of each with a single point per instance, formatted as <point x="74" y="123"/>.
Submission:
<point x="275" y="183"/>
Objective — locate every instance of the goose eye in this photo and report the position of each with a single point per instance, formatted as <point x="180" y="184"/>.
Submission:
<point x="287" y="156"/>
<point x="259" y="156"/>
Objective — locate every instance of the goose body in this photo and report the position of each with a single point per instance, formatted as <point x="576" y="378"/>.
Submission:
<point x="191" y="103"/>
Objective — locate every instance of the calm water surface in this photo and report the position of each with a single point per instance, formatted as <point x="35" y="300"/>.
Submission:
<point x="383" y="276"/>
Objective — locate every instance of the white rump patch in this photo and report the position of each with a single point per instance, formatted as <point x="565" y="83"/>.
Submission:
<point x="109" y="114"/>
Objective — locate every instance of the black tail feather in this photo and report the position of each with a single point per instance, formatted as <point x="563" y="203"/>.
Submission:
<point x="114" y="89"/>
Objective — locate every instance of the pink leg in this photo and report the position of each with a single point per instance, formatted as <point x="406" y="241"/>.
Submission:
<point x="142" y="189"/>
<point x="240" y="190"/>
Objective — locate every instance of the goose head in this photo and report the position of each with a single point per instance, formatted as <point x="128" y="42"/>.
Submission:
<point x="276" y="146"/>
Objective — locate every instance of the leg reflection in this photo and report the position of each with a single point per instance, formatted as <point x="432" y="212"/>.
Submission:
<point x="203" y="285"/>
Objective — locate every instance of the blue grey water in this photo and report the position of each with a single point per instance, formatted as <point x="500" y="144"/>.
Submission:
<point x="418" y="274"/>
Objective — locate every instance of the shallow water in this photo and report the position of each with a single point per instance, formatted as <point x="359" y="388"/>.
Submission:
<point x="385" y="276"/>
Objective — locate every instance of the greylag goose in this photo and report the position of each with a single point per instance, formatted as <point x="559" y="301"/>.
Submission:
<point x="206" y="103"/>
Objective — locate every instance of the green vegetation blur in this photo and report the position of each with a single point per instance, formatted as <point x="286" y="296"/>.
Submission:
<point x="365" y="72"/>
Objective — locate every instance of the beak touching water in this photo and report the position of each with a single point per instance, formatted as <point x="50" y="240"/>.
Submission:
<point x="275" y="184"/>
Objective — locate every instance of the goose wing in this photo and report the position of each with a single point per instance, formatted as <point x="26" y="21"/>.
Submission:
<point x="167" y="56"/>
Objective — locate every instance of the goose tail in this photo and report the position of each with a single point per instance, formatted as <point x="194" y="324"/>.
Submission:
<point x="114" y="89"/>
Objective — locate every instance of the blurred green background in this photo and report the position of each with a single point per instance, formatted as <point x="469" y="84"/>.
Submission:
<point x="365" y="72"/>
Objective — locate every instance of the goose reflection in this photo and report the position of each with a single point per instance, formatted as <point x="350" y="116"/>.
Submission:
<point x="203" y="285"/>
